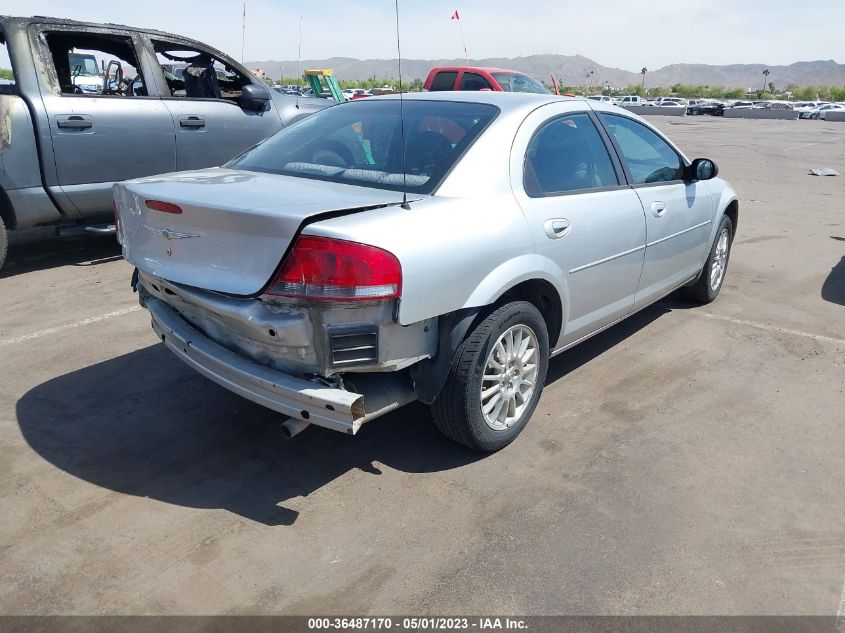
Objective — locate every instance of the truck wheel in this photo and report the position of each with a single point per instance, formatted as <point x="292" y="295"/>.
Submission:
<point x="495" y="380"/>
<point x="706" y="288"/>
<point x="4" y="243"/>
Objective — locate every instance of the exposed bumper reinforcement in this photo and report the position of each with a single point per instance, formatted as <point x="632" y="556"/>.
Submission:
<point x="297" y="398"/>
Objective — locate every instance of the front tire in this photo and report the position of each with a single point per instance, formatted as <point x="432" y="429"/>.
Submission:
<point x="496" y="379"/>
<point x="706" y="288"/>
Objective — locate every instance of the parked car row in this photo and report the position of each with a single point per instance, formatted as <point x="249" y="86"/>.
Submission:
<point x="717" y="107"/>
<point x="817" y="109"/>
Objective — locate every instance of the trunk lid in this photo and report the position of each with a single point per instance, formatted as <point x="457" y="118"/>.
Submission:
<point x="234" y="226"/>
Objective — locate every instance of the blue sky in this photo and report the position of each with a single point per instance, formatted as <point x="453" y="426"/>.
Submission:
<point x="615" y="33"/>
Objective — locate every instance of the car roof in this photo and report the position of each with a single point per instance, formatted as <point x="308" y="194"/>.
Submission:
<point x="487" y="69"/>
<point x="505" y="101"/>
<point x="22" y="22"/>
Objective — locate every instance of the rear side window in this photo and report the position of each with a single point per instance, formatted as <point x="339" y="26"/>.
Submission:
<point x="567" y="154"/>
<point x="196" y="74"/>
<point x="649" y="158"/>
<point x="443" y="81"/>
<point x="7" y="77"/>
<point x="474" y="81"/>
<point x="360" y="143"/>
<point x="517" y="82"/>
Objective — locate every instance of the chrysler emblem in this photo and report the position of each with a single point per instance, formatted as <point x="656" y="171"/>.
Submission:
<point x="170" y="235"/>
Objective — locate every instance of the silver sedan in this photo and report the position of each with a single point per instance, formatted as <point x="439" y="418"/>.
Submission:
<point x="441" y="248"/>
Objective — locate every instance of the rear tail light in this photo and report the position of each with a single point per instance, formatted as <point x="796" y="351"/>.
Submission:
<point x="329" y="269"/>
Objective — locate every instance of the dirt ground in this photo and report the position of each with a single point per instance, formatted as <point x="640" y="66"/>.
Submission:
<point x="687" y="461"/>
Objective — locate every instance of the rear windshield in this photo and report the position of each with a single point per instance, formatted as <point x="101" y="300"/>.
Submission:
<point x="360" y="143"/>
<point x="517" y="82"/>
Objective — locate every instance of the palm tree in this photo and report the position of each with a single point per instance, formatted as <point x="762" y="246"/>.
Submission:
<point x="590" y="79"/>
<point x="643" y="72"/>
<point x="765" y="75"/>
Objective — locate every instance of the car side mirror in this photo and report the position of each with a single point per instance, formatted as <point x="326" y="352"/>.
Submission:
<point x="254" y="97"/>
<point x="114" y="77"/>
<point x="702" y="169"/>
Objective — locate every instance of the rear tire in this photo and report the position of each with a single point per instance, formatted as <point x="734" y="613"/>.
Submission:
<point x="706" y="288"/>
<point x="4" y="243"/>
<point x="506" y="355"/>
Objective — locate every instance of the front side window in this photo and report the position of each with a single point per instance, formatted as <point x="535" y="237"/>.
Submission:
<point x="443" y="81"/>
<point x="649" y="158"/>
<point x="567" y="154"/>
<point x="360" y="143"/>
<point x="517" y="82"/>
<point x="474" y="81"/>
<point x="95" y="64"/>
<point x="196" y="74"/>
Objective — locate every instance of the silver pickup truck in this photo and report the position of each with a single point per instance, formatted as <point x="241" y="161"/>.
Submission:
<point x="94" y="104"/>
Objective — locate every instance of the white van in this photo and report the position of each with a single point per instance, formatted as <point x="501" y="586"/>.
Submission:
<point x="632" y="100"/>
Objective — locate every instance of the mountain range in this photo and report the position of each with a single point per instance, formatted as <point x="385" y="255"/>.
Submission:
<point x="572" y="70"/>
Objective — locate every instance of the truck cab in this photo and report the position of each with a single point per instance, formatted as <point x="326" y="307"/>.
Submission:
<point x="86" y="73"/>
<point x="477" y="78"/>
<point x="631" y="100"/>
<point x="95" y="104"/>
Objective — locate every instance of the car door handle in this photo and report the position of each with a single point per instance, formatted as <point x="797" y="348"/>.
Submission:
<point x="658" y="209"/>
<point x="192" y="121"/>
<point x="556" y="228"/>
<point x="75" y="123"/>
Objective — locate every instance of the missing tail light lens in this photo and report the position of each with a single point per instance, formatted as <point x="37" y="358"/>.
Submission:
<point x="328" y="269"/>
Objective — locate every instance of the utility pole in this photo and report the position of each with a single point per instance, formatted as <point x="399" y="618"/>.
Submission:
<point x="299" y="52"/>
<point x="243" y="33"/>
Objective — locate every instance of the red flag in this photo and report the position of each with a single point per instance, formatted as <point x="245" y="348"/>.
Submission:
<point x="455" y="15"/>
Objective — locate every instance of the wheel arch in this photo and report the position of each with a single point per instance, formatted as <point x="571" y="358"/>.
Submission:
<point x="430" y="375"/>
<point x="732" y="211"/>
<point x="543" y="296"/>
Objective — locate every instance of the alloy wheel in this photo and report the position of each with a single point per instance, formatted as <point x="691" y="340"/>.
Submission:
<point x="510" y="377"/>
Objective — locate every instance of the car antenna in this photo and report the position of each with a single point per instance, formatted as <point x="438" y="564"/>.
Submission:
<point x="404" y="204"/>
<point x="298" y="62"/>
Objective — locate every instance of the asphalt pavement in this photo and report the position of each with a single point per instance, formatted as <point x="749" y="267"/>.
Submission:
<point x="687" y="461"/>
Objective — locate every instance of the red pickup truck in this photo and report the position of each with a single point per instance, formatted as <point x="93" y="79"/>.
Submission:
<point x="474" y="78"/>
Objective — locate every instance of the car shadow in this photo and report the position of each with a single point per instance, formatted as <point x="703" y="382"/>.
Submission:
<point x="592" y="348"/>
<point x="833" y="288"/>
<point x="154" y="428"/>
<point x="27" y="257"/>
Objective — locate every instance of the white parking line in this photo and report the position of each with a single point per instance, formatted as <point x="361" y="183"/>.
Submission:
<point x="772" y="328"/>
<point x="68" y="326"/>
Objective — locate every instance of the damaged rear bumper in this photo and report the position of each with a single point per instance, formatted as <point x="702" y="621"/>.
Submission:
<point x="333" y="408"/>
